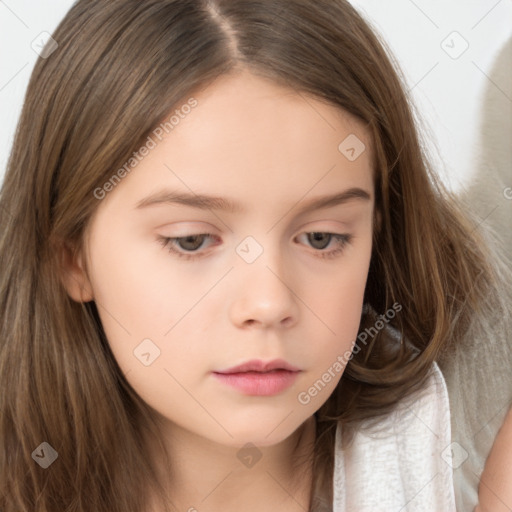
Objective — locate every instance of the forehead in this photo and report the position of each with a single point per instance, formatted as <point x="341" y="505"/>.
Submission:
<point x="262" y="143"/>
<point x="252" y="110"/>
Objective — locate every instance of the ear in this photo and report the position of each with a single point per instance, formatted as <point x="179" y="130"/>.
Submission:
<point x="73" y="273"/>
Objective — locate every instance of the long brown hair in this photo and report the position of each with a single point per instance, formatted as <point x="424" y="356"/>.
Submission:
<point x="119" y="69"/>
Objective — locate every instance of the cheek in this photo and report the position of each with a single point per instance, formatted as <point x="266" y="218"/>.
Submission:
<point x="147" y="305"/>
<point x="137" y="288"/>
<point x="338" y="303"/>
<point x="338" y="298"/>
<point x="340" y="311"/>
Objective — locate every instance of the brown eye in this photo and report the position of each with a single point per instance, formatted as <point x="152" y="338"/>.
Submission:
<point x="190" y="243"/>
<point x="186" y="246"/>
<point x="319" y="240"/>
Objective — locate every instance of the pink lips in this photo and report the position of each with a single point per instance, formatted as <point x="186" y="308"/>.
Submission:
<point x="258" y="378"/>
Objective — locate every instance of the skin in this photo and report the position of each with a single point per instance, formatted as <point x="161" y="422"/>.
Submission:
<point x="495" y="489"/>
<point x="271" y="150"/>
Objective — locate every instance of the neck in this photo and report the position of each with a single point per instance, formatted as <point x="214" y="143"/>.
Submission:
<point x="206" y="476"/>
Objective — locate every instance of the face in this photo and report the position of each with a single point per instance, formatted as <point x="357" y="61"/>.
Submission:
<point x="188" y="288"/>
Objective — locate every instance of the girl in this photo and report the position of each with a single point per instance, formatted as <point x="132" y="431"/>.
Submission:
<point x="235" y="271"/>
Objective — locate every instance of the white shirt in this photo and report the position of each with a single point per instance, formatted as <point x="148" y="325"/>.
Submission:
<point x="404" y="464"/>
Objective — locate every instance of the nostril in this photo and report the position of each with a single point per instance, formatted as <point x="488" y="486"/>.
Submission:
<point x="287" y="320"/>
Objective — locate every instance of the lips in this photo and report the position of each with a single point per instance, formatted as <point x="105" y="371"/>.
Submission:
<point x="257" y="378"/>
<point x="257" y="365"/>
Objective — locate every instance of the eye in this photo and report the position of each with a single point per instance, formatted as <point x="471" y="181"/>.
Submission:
<point x="321" y="240"/>
<point x="189" y="243"/>
<point x="187" y="247"/>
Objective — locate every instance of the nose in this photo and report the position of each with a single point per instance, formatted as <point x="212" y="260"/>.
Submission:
<point x="264" y="295"/>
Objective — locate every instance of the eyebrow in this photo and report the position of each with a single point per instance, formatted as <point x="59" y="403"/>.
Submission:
<point x="207" y="202"/>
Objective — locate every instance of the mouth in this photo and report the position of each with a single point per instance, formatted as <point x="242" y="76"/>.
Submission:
<point x="257" y="378"/>
<point x="256" y="365"/>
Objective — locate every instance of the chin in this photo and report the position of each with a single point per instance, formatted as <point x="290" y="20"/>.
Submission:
<point x="262" y="433"/>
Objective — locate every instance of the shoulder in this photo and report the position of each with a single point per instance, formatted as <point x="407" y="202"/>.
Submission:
<point x="495" y="489"/>
<point x="404" y="462"/>
<point x="477" y="374"/>
<point x="427" y="410"/>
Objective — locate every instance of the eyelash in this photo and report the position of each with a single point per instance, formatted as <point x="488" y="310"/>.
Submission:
<point x="341" y="241"/>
